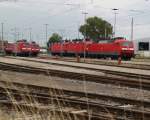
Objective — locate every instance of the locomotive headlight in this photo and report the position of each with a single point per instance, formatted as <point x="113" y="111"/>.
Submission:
<point x="24" y="48"/>
<point x="127" y="48"/>
<point x="124" y="48"/>
<point x="28" y="48"/>
<point x="131" y="48"/>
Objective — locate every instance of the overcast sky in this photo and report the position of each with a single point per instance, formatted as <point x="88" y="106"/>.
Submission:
<point x="65" y="16"/>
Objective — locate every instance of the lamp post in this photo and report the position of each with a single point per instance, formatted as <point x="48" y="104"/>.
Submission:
<point x="115" y="13"/>
<point x="85" y="14"/>
<point x="30" y="34"/>
<point x="2" y="25"/>
<point x="62" y="31"/>
<point x="78" y="30"/>
<point x="14" y="30"/>
<point x="132" y="28"/>
<point x="46" y="34"/>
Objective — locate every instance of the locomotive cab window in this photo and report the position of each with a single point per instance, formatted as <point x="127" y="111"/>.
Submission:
<point x="143" y="46"/>
<point x="126" y="44"/>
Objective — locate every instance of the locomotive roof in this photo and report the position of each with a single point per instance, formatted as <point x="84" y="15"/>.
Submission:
<point x="22" y="40"/>
<point x="112" y="40"/>
<point x="101" y="40"/>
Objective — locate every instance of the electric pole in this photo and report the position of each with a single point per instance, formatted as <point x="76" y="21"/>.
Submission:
<point x="30" y="34"/>
<point x="132" y="28"/>
<point x="22" y="35"/>
<point x="46" y="34"/>
<point x="78" y="30"/>
<point x="105" y="32"/>
<point x="85" y="14"/>
<point x="2" y="25"/>
<point x="15" y="34"/>
<point x="115" y="21"/>
<point x="18" y="35"/>
<point x="15" y="39"/>
<point x="62" y="31"/>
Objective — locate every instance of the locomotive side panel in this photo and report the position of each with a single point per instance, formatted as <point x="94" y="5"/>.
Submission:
<point x="114" y="49"/>
<point x="74" y="49"/>
<point x="103" y="50"/>
<point x="55" y="49"/>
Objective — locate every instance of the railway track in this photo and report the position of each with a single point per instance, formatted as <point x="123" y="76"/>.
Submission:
<point x="119" y="108"/>
<point x="99" y="107"/>
<point x="127" y="64"/>
<point x="107" y="71"/>
<point x="107" y="78"/>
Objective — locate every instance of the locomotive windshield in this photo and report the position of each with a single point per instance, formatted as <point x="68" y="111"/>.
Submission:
<point x="127" y="44"/>
<point x="26" y="44"/>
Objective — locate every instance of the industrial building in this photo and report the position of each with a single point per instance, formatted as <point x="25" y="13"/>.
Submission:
<point x="142" y="47"/>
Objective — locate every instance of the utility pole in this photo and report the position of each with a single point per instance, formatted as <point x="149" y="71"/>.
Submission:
<point x="2" y="25"/>
<point x="132" y="28"/>
<point x="78" y="30"/>
<point x="46" y="34"/>
<point x="37" y="38"/>
<point x="85" y="14"/>
<point x="62" y="31"/>
<point x="115" y="21"/>
<point x="18" y="35"/>
<point x="30" y="34"/>
<point x="105" y="32"/>
<point x="15" y="39"/>
<point x="22" y="35"/>
<point x="15" y="34"/>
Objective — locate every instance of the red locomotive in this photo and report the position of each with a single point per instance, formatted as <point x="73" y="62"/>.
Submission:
<point x="35" y="48"/>
<point x="22" y="48"/>
<point x="114" y="48"/>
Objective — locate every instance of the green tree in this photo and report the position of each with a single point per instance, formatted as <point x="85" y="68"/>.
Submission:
<point x="54" y="38"/>
<point x="96" y="28"/>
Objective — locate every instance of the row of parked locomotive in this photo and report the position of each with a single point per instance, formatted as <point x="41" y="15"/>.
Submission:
<point x="113" y="48"/>
<point x="22" y="48"/>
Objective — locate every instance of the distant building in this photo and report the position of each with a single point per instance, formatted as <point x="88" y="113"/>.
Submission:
<point x="142" y="47"/>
